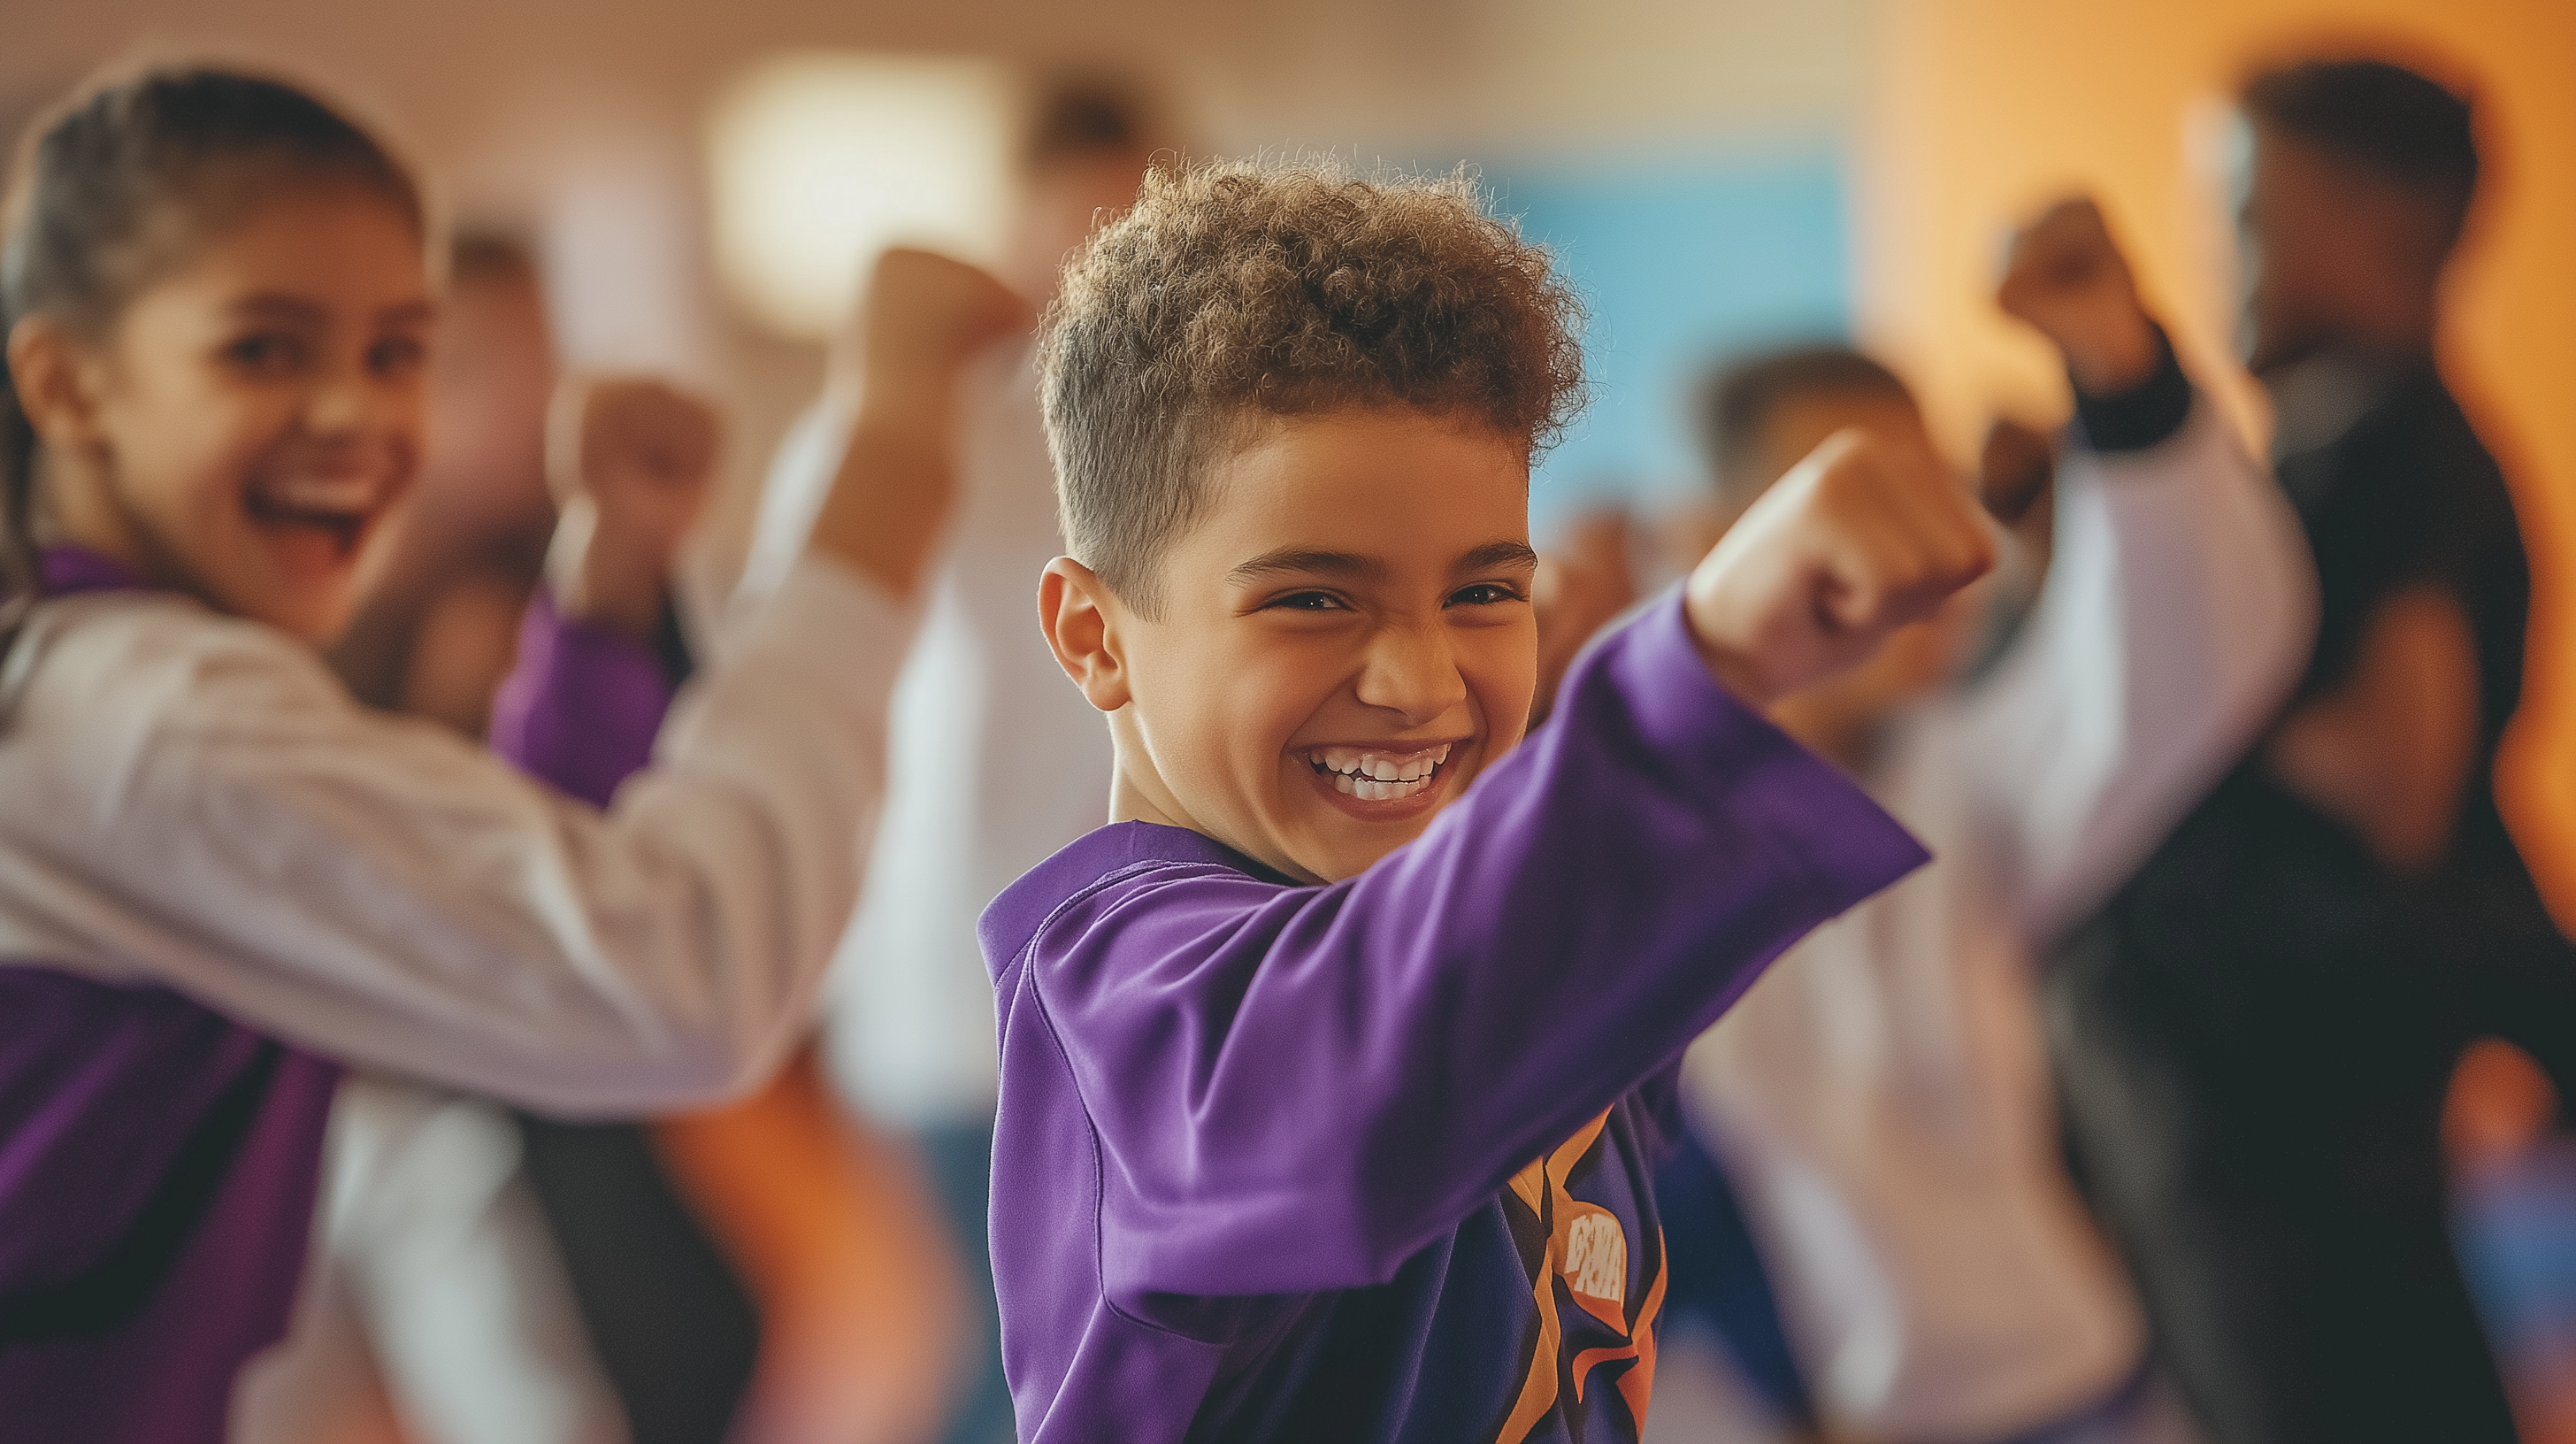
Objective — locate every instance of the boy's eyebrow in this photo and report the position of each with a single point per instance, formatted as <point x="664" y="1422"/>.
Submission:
<point x="1497" y="554"/>
<point x="406" y="313"/>
<point x="1308" y="561"/>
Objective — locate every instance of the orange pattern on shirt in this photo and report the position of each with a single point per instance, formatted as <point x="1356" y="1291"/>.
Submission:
<point x="1541" y="1185"/>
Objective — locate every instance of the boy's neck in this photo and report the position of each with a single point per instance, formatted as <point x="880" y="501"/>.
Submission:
<point x="1128" y="802"/>
<point x="1136" y="794"/>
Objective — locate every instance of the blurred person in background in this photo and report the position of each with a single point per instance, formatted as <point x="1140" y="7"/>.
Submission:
<point x="445" y="1210"/>
<point x="1587" y="576"/>
<point x="435" y="633"/>
<point x="494" y="1280"/>
<point x="996" y="761"/>
<point x="437" y="1309"/>
<point x="853" y="1321"/>
<point x="1878" y="1104"/>
<point x="2254" y="1039"/>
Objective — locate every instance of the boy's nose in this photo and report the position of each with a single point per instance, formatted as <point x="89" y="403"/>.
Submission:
<point x="1412" y="671"/>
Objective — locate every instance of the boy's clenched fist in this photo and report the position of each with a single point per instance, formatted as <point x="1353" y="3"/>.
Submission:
<point x="1859" y="539"/>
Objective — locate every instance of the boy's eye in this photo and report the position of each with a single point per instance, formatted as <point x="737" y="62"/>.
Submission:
<point x="1306" y="602"/>
<point x="1484" y="594"/>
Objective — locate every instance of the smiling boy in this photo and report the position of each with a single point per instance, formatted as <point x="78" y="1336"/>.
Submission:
<point x="1331" y="1084"/>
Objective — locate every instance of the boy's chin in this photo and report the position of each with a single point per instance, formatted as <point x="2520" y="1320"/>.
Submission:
<point x="1335" y="853"/>
<point x="1344" y="837"/>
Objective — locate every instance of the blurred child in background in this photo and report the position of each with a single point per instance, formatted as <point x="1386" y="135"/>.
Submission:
<point x="859" y="1327"/>
<point x="1879" y="1100"/>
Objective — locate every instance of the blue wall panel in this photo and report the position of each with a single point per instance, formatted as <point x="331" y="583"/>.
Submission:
<point x="1682" y="263"/>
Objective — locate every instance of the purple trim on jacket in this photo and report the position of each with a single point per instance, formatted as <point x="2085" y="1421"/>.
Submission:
<point x="158" y="1170"/>
<point x="69" y="569"/>
<point x="1280" y="1162"/>
<point x="581" y="707"/>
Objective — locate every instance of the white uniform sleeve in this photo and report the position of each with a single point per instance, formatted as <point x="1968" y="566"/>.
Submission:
<point x="196" y="801"/>
<point x="2177" y="614"/>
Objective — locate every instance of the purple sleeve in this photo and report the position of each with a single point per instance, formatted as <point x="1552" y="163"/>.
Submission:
<point x="581" y="705"/>
<point x="1295" y="1089"/>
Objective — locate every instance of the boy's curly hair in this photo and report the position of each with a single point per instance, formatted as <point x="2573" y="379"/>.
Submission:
<point x="1237" y="290"/>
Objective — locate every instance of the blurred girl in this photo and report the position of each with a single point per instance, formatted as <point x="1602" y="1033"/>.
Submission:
<point x="220" y="878"/>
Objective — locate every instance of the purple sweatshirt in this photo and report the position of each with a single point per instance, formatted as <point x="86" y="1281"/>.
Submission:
<point x="1373" y="1161"/>
<point x="159" y="1163"/>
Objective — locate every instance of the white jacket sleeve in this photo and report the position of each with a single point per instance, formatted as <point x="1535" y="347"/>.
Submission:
<point x="2177" y="614"/>
<point x="195" y="801"/>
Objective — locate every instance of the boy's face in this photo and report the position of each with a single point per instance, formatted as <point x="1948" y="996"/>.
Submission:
<point x="1344" y="640"/>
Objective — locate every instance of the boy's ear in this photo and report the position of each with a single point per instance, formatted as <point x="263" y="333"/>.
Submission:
<point x="1081" y="621"/>
<point x="46" y="367"/>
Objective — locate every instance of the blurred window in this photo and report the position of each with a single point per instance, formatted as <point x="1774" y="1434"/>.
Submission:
<point x="820" y="160"/>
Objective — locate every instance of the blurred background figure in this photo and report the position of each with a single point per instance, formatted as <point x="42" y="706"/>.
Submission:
<point x="1875" y="1113"/>
<point x="498" y="1271"/>
<point x="767" y="1272"/>
<point x="441" y="620"/>
<point x="736" y="1274"/>
<point x="996" y="761"/>
<point x="1587" y="577"/>
<point x="439" y="1310"/>
<point x="2256" y="1038"/>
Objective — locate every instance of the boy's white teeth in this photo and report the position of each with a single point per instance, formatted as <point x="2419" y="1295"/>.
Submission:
<point x="1378" y="776"/>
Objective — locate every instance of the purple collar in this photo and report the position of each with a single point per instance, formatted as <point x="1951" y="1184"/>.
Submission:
<point x="70" y="569"/>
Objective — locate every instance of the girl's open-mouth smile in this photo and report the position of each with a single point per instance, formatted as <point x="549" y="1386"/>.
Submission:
<point x="336" y="512"/>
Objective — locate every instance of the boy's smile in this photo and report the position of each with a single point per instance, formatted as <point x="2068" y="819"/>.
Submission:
<point x="1341" y="641"/>
<point x="1372" y="778"/>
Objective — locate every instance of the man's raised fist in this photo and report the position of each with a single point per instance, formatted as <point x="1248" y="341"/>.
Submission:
<point x="2067" y="279"/>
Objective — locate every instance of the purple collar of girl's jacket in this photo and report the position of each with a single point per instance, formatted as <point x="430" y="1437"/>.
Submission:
<point x="69" y="569"/>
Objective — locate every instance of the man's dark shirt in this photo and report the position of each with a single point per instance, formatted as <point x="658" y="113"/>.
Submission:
<point x="2253" y="1039"/>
